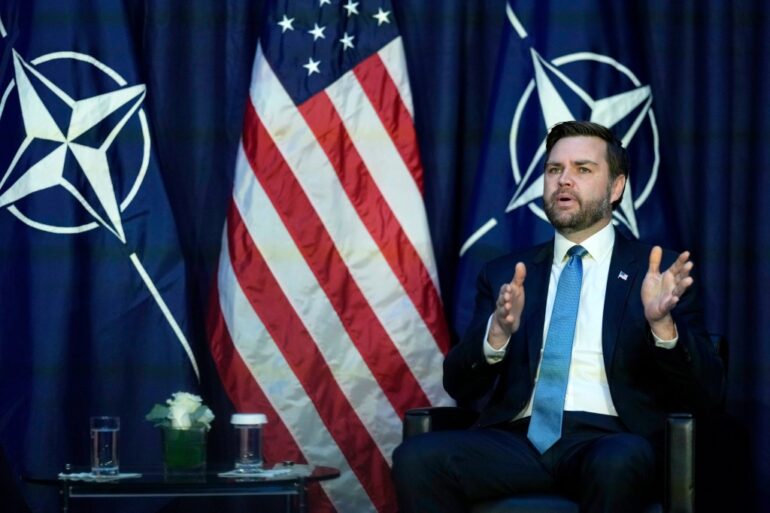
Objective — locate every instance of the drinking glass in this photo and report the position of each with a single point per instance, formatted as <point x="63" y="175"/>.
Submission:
<point x="104" y="446"/>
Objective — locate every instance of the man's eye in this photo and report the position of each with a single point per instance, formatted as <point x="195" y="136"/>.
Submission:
<point x="585" y="170"/>
<point x="553" y="170"/>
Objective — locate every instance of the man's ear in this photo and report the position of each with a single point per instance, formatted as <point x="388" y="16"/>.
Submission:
<point x="617" y="188"/>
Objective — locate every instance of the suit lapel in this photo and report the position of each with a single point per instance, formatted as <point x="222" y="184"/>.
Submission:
<point x="623" y="271"/>
<point x="538" y="276"/>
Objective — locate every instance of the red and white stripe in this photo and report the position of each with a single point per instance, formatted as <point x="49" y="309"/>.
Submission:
<point x="327" y="314"/>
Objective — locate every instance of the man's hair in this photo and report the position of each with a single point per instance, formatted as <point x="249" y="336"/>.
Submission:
<point x="617" y="157"/>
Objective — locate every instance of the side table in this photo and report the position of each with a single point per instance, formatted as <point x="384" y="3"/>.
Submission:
<point x="154" y="482"/>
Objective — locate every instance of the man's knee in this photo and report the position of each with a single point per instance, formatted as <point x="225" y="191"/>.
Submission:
<point x="414" y="457"/>
<point x="621" y="457"/>
<point x="405" y="456"/>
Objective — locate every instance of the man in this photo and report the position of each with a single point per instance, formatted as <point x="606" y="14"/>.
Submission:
<point x="584" y="351"/>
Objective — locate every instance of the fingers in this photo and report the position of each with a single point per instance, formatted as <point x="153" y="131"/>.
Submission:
<point x="509" y="292"/>
<point x="655" y="255"/>
<point x="519" y="274"/>
<point x="681" y="263"/>
<point x="503" y="305"/>
<point x="682" y="286"/>
<point x="680" y="271"/>
<point x="662" y="292"/>
<point x="683" y="257"/>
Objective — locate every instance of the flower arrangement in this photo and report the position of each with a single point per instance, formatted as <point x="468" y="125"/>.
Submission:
<point x="182" y="411"/>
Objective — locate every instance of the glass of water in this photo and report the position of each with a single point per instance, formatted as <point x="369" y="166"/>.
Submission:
<point x="248" y="441"/>
<point x="104" y="446"/>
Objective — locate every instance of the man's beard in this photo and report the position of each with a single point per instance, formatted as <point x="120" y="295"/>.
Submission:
<point x="587" y="215"/>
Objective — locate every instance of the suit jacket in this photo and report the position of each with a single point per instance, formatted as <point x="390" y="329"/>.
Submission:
<point x="645" y="381"/>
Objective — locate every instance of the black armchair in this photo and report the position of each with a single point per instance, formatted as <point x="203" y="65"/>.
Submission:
<point x="679" y="458"/>
<point x="679" y="464"/>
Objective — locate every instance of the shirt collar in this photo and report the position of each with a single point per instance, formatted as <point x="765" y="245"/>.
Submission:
<point x="599" y="245"/>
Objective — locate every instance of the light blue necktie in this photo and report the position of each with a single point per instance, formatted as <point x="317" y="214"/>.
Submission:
<point x="548" y="404"/>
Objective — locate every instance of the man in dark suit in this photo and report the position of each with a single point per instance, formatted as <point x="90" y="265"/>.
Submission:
<point x="635" y="348"/>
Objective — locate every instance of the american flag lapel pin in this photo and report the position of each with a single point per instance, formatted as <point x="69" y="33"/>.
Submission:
<point x="623" y="276"/>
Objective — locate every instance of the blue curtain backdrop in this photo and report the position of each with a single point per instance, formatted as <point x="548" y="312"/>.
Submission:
<point x="79" y="332"/>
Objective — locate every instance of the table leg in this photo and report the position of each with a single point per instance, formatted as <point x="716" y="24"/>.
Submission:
<point x="64" y="493"/>
<point x="302" y="496"/>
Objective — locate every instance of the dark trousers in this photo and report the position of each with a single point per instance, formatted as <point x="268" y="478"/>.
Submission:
<point x="596" y="462"/>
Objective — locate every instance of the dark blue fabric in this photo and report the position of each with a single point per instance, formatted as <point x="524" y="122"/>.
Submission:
<point x="80" y="331"/>
<point x="706" y="65"/>
<point x="447" y="471"/>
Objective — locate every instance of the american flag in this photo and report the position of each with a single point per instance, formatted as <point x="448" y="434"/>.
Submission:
<point x="327" y="314"/>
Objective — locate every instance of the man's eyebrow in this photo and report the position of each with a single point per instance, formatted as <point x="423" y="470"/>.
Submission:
<point x="576" y="162"/>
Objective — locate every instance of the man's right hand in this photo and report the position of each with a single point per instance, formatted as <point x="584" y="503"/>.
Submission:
<point x="510" y="303"/>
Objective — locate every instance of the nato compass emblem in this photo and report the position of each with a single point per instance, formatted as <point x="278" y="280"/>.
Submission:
<point x="69" y="160"/>
<point x="632" y="107"/>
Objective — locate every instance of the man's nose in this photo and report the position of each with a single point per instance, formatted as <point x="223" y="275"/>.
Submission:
<point x="566" y="177"/>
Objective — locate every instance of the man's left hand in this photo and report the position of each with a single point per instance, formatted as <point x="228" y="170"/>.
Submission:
<point x="661" y="292"/>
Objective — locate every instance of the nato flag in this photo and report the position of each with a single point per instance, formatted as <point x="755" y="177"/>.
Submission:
<point x="93" y="314"/>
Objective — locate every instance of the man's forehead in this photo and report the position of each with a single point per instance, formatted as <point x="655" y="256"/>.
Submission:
<point x="579" y="148"/>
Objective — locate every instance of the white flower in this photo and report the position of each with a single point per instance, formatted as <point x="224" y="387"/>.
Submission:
<point x="184" y="401"/>
<point x="179" y="416"/>
<point x="183" y="411"/>
<point x="206" y="417"/>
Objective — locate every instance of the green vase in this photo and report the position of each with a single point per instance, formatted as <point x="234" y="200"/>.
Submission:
<point x="184" y="450"/>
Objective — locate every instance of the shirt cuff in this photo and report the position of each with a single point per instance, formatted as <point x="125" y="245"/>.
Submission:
<point x="490" y="353"/>
<point x="666" y="344"/>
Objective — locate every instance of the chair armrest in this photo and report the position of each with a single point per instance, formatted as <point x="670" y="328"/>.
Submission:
<point x="437" y="418"/>
<point x="679" y="493"/>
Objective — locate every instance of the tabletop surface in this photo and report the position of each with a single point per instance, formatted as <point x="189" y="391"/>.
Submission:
<point x="208" y="480"/>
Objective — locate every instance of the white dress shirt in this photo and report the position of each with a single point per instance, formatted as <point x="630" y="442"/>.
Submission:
<point x="587" y="387"/>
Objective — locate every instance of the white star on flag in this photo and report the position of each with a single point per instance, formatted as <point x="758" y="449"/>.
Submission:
<point x="347" y="41"/>
<point x="318" y="32"/>
<point x="351" y="7"/>
<point x="381" y="16"/>
<point x="286" y="24"/>
<point x="312" y="66"/>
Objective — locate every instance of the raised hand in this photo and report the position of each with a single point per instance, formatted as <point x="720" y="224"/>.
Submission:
<point x="508" y="308"/>
<point x="661" y="292"/>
